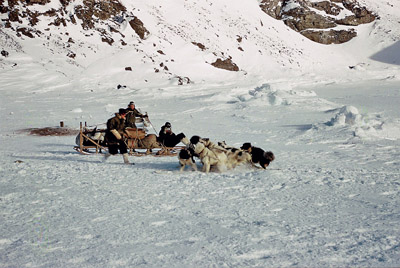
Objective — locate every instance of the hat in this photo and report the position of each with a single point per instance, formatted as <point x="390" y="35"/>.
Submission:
<point x="167" y="124"/>
<point x="122" y="111"/>
<point x="131" y="103"/>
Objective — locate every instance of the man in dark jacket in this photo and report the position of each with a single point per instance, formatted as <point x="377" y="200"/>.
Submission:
<point x="168" y="138"/>
<point x="131" y="115"/>
<point x="114" y="135"/>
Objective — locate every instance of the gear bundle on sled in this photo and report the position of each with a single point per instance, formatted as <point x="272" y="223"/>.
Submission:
<point x="139" y="143"/>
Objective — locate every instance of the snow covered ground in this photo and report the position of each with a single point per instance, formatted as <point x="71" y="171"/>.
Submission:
<point x="331" y="197"/>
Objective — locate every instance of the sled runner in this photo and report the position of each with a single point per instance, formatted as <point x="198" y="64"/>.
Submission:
<point x="139" y="143"/>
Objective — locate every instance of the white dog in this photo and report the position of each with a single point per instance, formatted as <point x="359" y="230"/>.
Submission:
<point x="237" y="157"/>
<point x="221" y="156"/>
<point x="215" y="157"/>
<point x="211" y="145"/>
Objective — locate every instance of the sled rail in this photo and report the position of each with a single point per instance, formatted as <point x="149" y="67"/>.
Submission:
<point x="83" y="149"/>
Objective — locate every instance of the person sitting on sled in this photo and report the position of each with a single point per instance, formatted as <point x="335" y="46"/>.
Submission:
<point x="114" y="135"/>
<point x="131" y="115"/>
<point x="168" y="138"/>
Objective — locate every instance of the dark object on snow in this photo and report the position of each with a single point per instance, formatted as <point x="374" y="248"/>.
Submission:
<point x="258" y="155"/>
<point x="51" y="131"/>
<point x="4" y="53"/>
<point x="226" y="64"/>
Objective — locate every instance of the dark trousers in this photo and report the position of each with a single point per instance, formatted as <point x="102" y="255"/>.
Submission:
<point x="114" y="145"/>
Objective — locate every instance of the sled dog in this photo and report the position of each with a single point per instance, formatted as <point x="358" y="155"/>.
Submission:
<point x="237" y="157"/>
<point x="258" y="155"/>
<point x="215" y="157"/>
<point x="185" y="157"/>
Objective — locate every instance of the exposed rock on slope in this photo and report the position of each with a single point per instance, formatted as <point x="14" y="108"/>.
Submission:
<point x="90" y="14"/>
<point x="148" y="41"/>
<point x="316" y="20"/>
<point x="226" y="64"/>
<point x="138" y="26"/>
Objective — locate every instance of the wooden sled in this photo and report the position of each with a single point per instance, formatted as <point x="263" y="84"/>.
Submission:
<point x="87" y="149"/>
<point x="134" y="135"/>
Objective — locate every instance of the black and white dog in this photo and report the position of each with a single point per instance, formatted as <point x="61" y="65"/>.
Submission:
<point x="258" y="155"/>
<point x="185" y="157"/>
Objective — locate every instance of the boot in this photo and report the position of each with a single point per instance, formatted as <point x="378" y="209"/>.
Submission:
<point x="125" y="156"/>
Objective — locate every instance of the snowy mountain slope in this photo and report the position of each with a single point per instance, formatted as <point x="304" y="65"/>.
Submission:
<point x="186" y="37"/>
<point x="331" y="197"/>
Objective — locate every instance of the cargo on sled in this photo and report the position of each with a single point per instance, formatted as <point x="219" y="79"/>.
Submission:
<point x="91" y="140"/>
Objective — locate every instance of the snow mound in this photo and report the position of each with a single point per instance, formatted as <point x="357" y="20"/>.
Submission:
<point x="267" y="94"/>
<point x="383" y="130"/>
<point x="347" y="115"/>
<point x="77" y="110"/>
<point x="365" y="126"/>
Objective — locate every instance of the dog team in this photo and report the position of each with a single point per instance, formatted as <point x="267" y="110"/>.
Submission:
<point x="220" y="157"/>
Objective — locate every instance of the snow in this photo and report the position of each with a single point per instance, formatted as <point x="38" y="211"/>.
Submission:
<point x="291" y="5"/>
<point x="330" y="198"/>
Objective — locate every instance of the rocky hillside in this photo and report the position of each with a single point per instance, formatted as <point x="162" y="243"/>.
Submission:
<point x="316" y="20"/>
<point x="320" y="20"/>
<point x="179" y="42"/>
<point x="23" y="17"/>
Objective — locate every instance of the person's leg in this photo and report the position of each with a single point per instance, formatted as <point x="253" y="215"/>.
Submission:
<point x="112" y="150"/>
<point x="123" y="149"/>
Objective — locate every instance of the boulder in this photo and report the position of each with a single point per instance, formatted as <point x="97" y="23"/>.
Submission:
<point x="138" y="26"/>
<point x="226" y="64"/>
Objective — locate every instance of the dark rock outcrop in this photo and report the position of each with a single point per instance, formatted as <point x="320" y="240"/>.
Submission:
<point x="315" y="20"/>
<point x="90" y="14"/>
<point x="226" y="64"/>
<point x="272" y="7"/>
<point x="138" y="26"/>
<point x="330" y="36"/>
